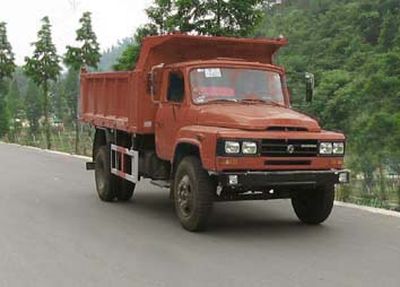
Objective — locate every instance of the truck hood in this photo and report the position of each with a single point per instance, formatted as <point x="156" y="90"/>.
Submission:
<point x="254" y="117"/>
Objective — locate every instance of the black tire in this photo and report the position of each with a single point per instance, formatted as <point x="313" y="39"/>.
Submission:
<point x="106" y="182"/>
<point x="193" y="194"/>
<point x="171" y="190"/>
<point x="125" y="189"/>
<point x="314" y="207"/>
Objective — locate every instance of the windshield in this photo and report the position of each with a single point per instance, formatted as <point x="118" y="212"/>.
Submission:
<point x="235" y="85"/>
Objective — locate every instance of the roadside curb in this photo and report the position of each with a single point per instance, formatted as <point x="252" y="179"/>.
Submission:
<point x="48" y="151"/>
<point x="369" y="209"/>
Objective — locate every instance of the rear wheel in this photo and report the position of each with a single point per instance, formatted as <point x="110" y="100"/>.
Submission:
<point x="105" y="181"/>
<point x="315" y="206"/>
<point x="193" y="194"/>
<point x="125" y="190"/>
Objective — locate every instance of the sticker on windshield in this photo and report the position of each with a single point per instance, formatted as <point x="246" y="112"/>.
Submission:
<point x="212" y="73"/>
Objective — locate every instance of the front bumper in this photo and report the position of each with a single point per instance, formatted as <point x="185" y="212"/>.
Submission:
<point x="272" y="179"/>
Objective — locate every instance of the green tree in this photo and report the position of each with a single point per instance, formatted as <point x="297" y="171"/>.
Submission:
<point x="160" y="13"/>
<point x="110" y="56"/>
<point x="71" y="89"/>
<point x="33" y="107"/>
<point x="205" y="17"/>
<point x="87" y="55"/>
<point x="43" y="67"/>
<point x="7" y="65"/>
<point x="228" y="18"/>
<point x="7" y="68"/>
<point x="130" y="55"/>
<point x="15" y="107"/>
<point x="4" y="115"/>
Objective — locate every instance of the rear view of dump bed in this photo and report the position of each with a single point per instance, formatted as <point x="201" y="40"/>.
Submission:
<point x="116" y="100"/>
<point x="106" y="99"/>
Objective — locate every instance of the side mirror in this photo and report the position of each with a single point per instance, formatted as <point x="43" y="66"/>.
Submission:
<point x="309" y="77"/>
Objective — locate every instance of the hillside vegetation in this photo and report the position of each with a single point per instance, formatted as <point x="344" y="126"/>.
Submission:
<point x="353" y="48"/>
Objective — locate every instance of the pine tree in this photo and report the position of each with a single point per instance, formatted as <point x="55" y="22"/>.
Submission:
<point x="43" y="67"/>
<point x="7" y="68"/>
<point x="7" y="65"/>
<point x="87" y="55"/>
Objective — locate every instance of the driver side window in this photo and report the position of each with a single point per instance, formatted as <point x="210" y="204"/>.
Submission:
<point x="176" y="87"/>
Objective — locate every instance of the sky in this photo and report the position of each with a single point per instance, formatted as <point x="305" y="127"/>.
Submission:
<point x="112" y="21"/>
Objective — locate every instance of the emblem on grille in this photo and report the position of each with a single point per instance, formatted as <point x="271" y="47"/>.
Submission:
<point x="290" y="149"/>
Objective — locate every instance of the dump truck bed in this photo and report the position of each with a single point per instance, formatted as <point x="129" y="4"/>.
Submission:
<point x="117" y="100"/>
<point x="107" y="99"/>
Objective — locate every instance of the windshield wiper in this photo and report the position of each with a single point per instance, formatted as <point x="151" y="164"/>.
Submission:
<point x="267" y="102"/>
<point x="252" y="101"/>
<point x="222" y="100"/>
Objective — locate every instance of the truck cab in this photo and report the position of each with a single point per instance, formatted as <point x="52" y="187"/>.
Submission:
<point x="216" y="124"/>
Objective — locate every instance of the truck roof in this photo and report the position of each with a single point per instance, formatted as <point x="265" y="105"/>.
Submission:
<point x="176" y="48"/>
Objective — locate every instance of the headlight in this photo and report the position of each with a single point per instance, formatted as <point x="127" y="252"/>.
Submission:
<point x="249" y="148"/>
<point x="338" y="148"/>
<point x="232" y="147"/>
<point x="325" y="148"/>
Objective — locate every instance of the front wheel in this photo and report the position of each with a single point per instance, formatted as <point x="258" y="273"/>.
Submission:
<point x="315" y="206"/>
<point x="193" y="194"/>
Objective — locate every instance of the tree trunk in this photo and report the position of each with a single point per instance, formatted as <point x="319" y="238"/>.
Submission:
<point x="76" y="135"/>
<point x="382" y="186"/>
<point x="398" y="197"/>
<point x="77" y="118"/>
<point x="219" y="17"/>
<point x="46" y="116"/>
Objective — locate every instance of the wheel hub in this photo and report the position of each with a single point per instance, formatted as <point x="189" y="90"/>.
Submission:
<point x="185" y="196"/>
<point x="100" y="176"/>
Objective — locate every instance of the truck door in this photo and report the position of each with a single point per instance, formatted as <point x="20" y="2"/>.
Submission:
<point x="170" y="115"/>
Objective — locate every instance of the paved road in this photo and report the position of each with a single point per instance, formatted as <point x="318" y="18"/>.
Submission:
<point x="55" y="232"/>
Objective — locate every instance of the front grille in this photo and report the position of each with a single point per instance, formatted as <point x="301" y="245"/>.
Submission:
<point x="289" y="148"/>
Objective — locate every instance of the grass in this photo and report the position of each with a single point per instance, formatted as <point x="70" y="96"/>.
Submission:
<point x="61" y="140"/>
<point x="357" y="193"/>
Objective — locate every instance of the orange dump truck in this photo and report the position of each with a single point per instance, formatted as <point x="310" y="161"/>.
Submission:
<point x="210" y="119"/>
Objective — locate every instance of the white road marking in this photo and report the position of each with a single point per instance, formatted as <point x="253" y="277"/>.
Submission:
<point x="369" y="209"/>
<point x="49" y="151"/>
